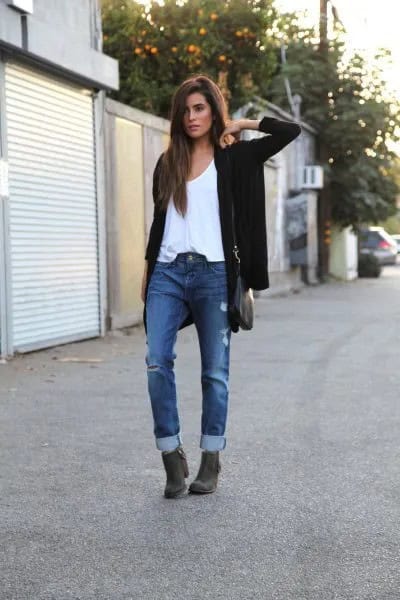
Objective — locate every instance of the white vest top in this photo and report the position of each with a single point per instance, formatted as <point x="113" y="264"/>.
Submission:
<point x="200" y="229"/>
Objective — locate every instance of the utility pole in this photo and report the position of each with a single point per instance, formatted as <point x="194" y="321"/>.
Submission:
<point x="323" y="25"/>
<point x="324" y="212"/>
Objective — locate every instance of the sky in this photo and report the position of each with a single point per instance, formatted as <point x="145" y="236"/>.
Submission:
<point x="370" y="24"/>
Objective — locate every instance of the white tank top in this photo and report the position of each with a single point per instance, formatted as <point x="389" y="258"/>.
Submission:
<point x="200" y="229"/>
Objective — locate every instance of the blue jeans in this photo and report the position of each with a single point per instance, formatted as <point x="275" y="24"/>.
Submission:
<point x="188" y="283"/>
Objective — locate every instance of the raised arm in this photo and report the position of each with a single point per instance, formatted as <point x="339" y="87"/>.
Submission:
<point x="279" y="134"/>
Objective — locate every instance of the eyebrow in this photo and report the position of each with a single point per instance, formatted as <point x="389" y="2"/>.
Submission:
<point x="197" y="104"/>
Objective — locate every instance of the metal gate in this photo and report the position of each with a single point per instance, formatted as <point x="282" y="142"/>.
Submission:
<point x="53" y="232"/>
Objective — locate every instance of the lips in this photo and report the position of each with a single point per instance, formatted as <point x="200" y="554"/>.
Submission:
<point x="192" y="127"/>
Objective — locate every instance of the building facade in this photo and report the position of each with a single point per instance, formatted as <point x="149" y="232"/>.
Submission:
<point x="52" y="219"/>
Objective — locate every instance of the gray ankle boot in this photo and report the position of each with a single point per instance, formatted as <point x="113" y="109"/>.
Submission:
<point x="207" y="477"/>
<point x="177" y="469"/>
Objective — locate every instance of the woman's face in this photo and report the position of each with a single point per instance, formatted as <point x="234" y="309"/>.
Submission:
<point x="198" y="118"/>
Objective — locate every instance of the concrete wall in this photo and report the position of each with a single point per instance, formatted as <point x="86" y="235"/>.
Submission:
<point x="134" y="141"/>
<point x="65" y="36"/>
<point x="74" y="16"/>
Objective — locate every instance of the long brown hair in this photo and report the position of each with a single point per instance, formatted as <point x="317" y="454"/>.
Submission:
<point x="175" y="164"/>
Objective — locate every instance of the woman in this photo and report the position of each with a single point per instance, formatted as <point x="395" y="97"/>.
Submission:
<point x="189" y="274"/>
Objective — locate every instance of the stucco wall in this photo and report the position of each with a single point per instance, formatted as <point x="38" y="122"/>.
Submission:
<point x="134" y="141"/>
<point x="343" y="256"/>
<point x="130" y="198"/>
<point x="274" y="172"/>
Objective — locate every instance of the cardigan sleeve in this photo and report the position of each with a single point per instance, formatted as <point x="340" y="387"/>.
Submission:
<point x="281" y="133"/>
<point x="156" y="176"/>
<point x="154" y="233"/>
<point x="156" y="214"/>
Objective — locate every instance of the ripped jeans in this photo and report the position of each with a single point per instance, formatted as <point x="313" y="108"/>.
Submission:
<point x="188" y="284"/>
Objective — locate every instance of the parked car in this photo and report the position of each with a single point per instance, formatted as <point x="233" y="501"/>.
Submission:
<point x="377" y="241"/>
<point x="396" y="238"/>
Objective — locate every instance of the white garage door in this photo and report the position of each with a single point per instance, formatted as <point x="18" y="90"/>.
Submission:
<point x="53" y="210"/>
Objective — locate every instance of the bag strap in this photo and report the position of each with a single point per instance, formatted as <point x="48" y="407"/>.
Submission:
<point x="235" y="244"/>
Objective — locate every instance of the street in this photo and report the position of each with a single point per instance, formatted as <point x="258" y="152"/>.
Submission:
<point x="308" y="503"/>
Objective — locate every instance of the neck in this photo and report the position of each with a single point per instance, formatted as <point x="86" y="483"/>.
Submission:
<point x="202" y="145"/>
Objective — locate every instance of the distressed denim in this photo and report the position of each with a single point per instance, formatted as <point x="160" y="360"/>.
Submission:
<point x="189" y="283"/>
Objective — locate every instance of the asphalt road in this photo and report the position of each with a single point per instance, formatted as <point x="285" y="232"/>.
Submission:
<point x="308" y="505"/>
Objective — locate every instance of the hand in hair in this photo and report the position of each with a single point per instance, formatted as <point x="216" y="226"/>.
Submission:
<point x="232" y="130"/>
<point x="231" y="133"/>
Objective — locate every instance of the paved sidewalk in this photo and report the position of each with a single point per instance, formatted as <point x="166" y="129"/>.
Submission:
<point x="308" y="502"/>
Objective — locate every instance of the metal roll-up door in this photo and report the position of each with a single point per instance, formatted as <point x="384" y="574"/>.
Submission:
<point x="52" y="210"/>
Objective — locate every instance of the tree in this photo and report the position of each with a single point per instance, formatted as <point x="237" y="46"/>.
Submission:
<point x="348" y="102"/>
<point x="237" y="43"/>
<point x="162" y="45"/>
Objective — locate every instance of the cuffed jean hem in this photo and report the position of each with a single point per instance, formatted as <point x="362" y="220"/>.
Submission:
<point x="167" y="444"/>
<point x="212" y="443"/>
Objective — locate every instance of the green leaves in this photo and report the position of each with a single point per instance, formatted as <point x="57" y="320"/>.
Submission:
<point x="347" y="100"/>
<point x="237" y="43"/>
<point x="160" y="47"/>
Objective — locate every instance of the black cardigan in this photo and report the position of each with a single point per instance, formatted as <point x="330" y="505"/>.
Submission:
<point x="240" y="178"/>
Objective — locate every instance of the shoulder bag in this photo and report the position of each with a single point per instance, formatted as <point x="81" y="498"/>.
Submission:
<point x="241" y="308"/>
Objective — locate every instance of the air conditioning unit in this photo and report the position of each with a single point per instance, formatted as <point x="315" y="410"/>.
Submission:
<point x="25" y="6"/>
<point x="312" y="177"/>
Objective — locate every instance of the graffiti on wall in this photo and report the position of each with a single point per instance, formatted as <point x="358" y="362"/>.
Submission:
<point x="296" y="228"/>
